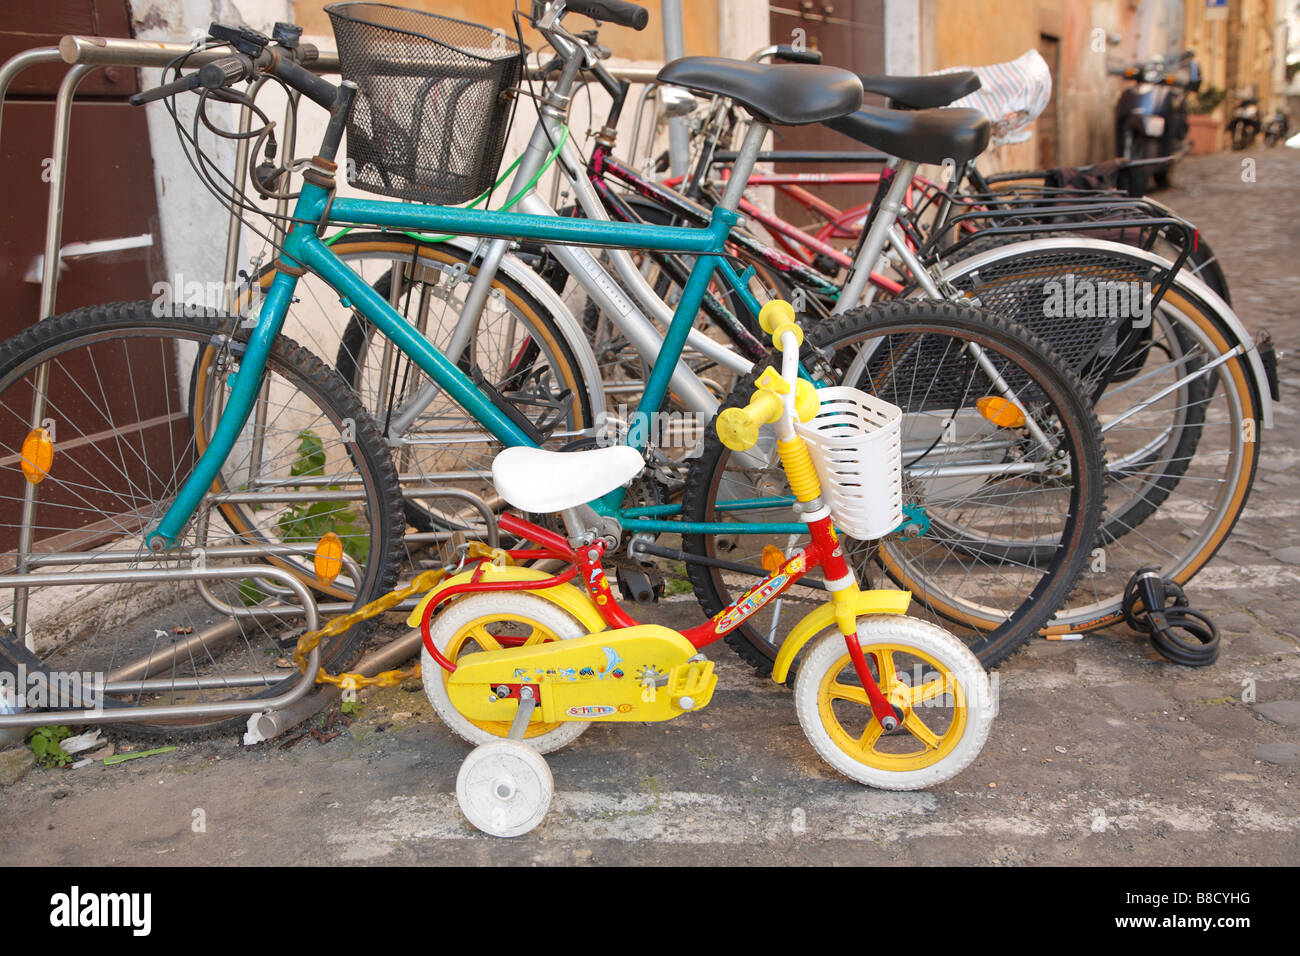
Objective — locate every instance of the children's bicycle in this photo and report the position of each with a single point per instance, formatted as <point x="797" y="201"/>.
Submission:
<point x="521" y="662"/>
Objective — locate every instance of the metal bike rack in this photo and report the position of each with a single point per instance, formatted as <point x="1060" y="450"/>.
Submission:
<point x="135" y="677"/>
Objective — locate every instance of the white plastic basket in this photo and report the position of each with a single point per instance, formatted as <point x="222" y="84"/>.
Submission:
<point x="855" y="443"/>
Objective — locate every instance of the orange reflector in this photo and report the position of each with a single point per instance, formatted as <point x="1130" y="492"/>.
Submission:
<point x="1000" y="412"/>
<point x="38" y="455"/>
<point x="773" y="558"/>
<point x="329" y="558"/>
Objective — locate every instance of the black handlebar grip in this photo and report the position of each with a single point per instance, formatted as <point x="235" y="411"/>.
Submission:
<point x="225" y="71"/>
<point x="214" y="75"/>
<point x="790" y="55"/>
<point x="617" y="12"/>
<point x="183" y="85"/>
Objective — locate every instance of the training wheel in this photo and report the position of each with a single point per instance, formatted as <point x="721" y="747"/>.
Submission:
<point x="504" y="788"/>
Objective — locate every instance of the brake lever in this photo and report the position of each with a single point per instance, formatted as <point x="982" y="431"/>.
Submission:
<point x="246" y="41"/>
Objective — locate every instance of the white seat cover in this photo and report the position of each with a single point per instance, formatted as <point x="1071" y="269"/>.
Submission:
<point x="544" y="481"/>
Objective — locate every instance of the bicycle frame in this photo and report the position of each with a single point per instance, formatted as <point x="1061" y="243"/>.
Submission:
<point x="838" y="223"/>
<point x="817" y="555"/>
<point x="304" y="250"/>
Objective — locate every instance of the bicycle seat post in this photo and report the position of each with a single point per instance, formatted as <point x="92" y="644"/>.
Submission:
<point x="881" y="219"/>
<point x="743" y="167"/>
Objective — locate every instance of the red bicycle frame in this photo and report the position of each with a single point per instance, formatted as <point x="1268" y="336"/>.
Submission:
<point x="824" y="552"/>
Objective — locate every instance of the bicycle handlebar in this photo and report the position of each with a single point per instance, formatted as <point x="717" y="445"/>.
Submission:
<point x="237" y="67"/>
<point x="214" y="75"/>
<point x="778" y="395"/>
<point x="618" y="12"/>
<point x="791" y="55"/>
<point x="787" y="53"/>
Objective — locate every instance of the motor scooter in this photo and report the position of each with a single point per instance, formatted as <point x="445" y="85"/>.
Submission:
<point x="1276" y="129"/>
<point x="1151" y="116"/>
<point x="1245" y="123"/>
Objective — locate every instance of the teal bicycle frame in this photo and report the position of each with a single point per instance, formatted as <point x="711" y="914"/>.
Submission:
<point x="304" y="249"/>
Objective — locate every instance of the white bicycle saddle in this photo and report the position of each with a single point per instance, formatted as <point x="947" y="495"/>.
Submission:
<point x="540" y="481"/>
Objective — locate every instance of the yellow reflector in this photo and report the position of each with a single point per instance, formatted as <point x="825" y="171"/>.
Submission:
<point x="38" y="455"/>
<point x="773" y="558"/>
<point x="1000" y="412"/>
<point x="329" y="558"/>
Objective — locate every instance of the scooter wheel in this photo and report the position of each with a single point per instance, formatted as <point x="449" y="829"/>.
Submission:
<point x="504" y="788"/>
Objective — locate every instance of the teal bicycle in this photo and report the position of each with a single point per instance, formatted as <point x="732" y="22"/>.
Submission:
<point x="149" y="436"/>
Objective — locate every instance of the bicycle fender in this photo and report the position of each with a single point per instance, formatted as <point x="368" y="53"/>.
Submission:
<point x="868" y="602"/>
<point x="565" y="596"/>
<point x="1236" y="331"/>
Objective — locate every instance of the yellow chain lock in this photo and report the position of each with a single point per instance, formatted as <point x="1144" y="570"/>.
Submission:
<point x="424" y="582"/>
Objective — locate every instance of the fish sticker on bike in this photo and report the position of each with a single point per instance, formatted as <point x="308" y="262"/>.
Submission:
<point x="569" y="675"/>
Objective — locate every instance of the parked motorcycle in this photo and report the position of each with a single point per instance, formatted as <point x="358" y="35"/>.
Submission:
<point x="1277" y="129"/>
<point x="1151" y="115"/>
<point x="1245" y="123"/>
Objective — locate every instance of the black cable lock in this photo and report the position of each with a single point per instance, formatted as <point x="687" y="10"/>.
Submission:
<point x="1159" y="607"/>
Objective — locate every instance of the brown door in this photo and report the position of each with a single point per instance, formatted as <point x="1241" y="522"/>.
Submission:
<point x="109" y="194"/>
<point x="850" y="34"/>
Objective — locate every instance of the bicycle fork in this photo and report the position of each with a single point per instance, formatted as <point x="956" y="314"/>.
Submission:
<point x="780" y="400"/>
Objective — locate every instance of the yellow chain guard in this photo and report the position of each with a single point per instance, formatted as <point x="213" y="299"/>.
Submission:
<point x="641" y="673"/>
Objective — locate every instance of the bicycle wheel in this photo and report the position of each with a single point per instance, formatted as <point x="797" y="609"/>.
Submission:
<point x="489" y="622"/>
<point x="516" y="350"/>
<point x="126" y="394"/>
<point x="925" y="673"/>
<point x="1179" y="413"/>
<point x="972" y="482"/>
<point x="1180" y="465"/>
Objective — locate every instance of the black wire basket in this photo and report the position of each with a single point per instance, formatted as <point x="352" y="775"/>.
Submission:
<point x="433" y="107"/>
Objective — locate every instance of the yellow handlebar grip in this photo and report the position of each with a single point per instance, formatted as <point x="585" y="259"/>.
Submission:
<point x="738" y="427"/>
<point x="806" y="400"/>
<point x="777" y="318"/>
<point x="777" y="312"/>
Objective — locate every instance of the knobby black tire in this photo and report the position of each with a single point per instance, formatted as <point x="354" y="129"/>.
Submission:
<point x="368" y="452"/>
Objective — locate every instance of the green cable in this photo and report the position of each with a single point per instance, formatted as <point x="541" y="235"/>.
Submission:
<point x="564" y="136"/>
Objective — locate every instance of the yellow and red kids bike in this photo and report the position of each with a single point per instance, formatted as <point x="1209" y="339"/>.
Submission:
<point x="520" y="662"/>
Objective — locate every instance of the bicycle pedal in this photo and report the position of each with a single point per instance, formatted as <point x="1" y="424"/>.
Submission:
<point x="691" y="684"/>
<point x="644" y="585"/>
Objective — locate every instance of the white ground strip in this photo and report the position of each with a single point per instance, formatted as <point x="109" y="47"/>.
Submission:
<point x="872" y="816"/>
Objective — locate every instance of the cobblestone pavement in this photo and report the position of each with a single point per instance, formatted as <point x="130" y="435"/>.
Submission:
<point x="1102" y="752"/>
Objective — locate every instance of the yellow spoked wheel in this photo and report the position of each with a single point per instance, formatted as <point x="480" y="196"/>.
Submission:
<point x="490" y="622"/>
<point x="928" y="675"/>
